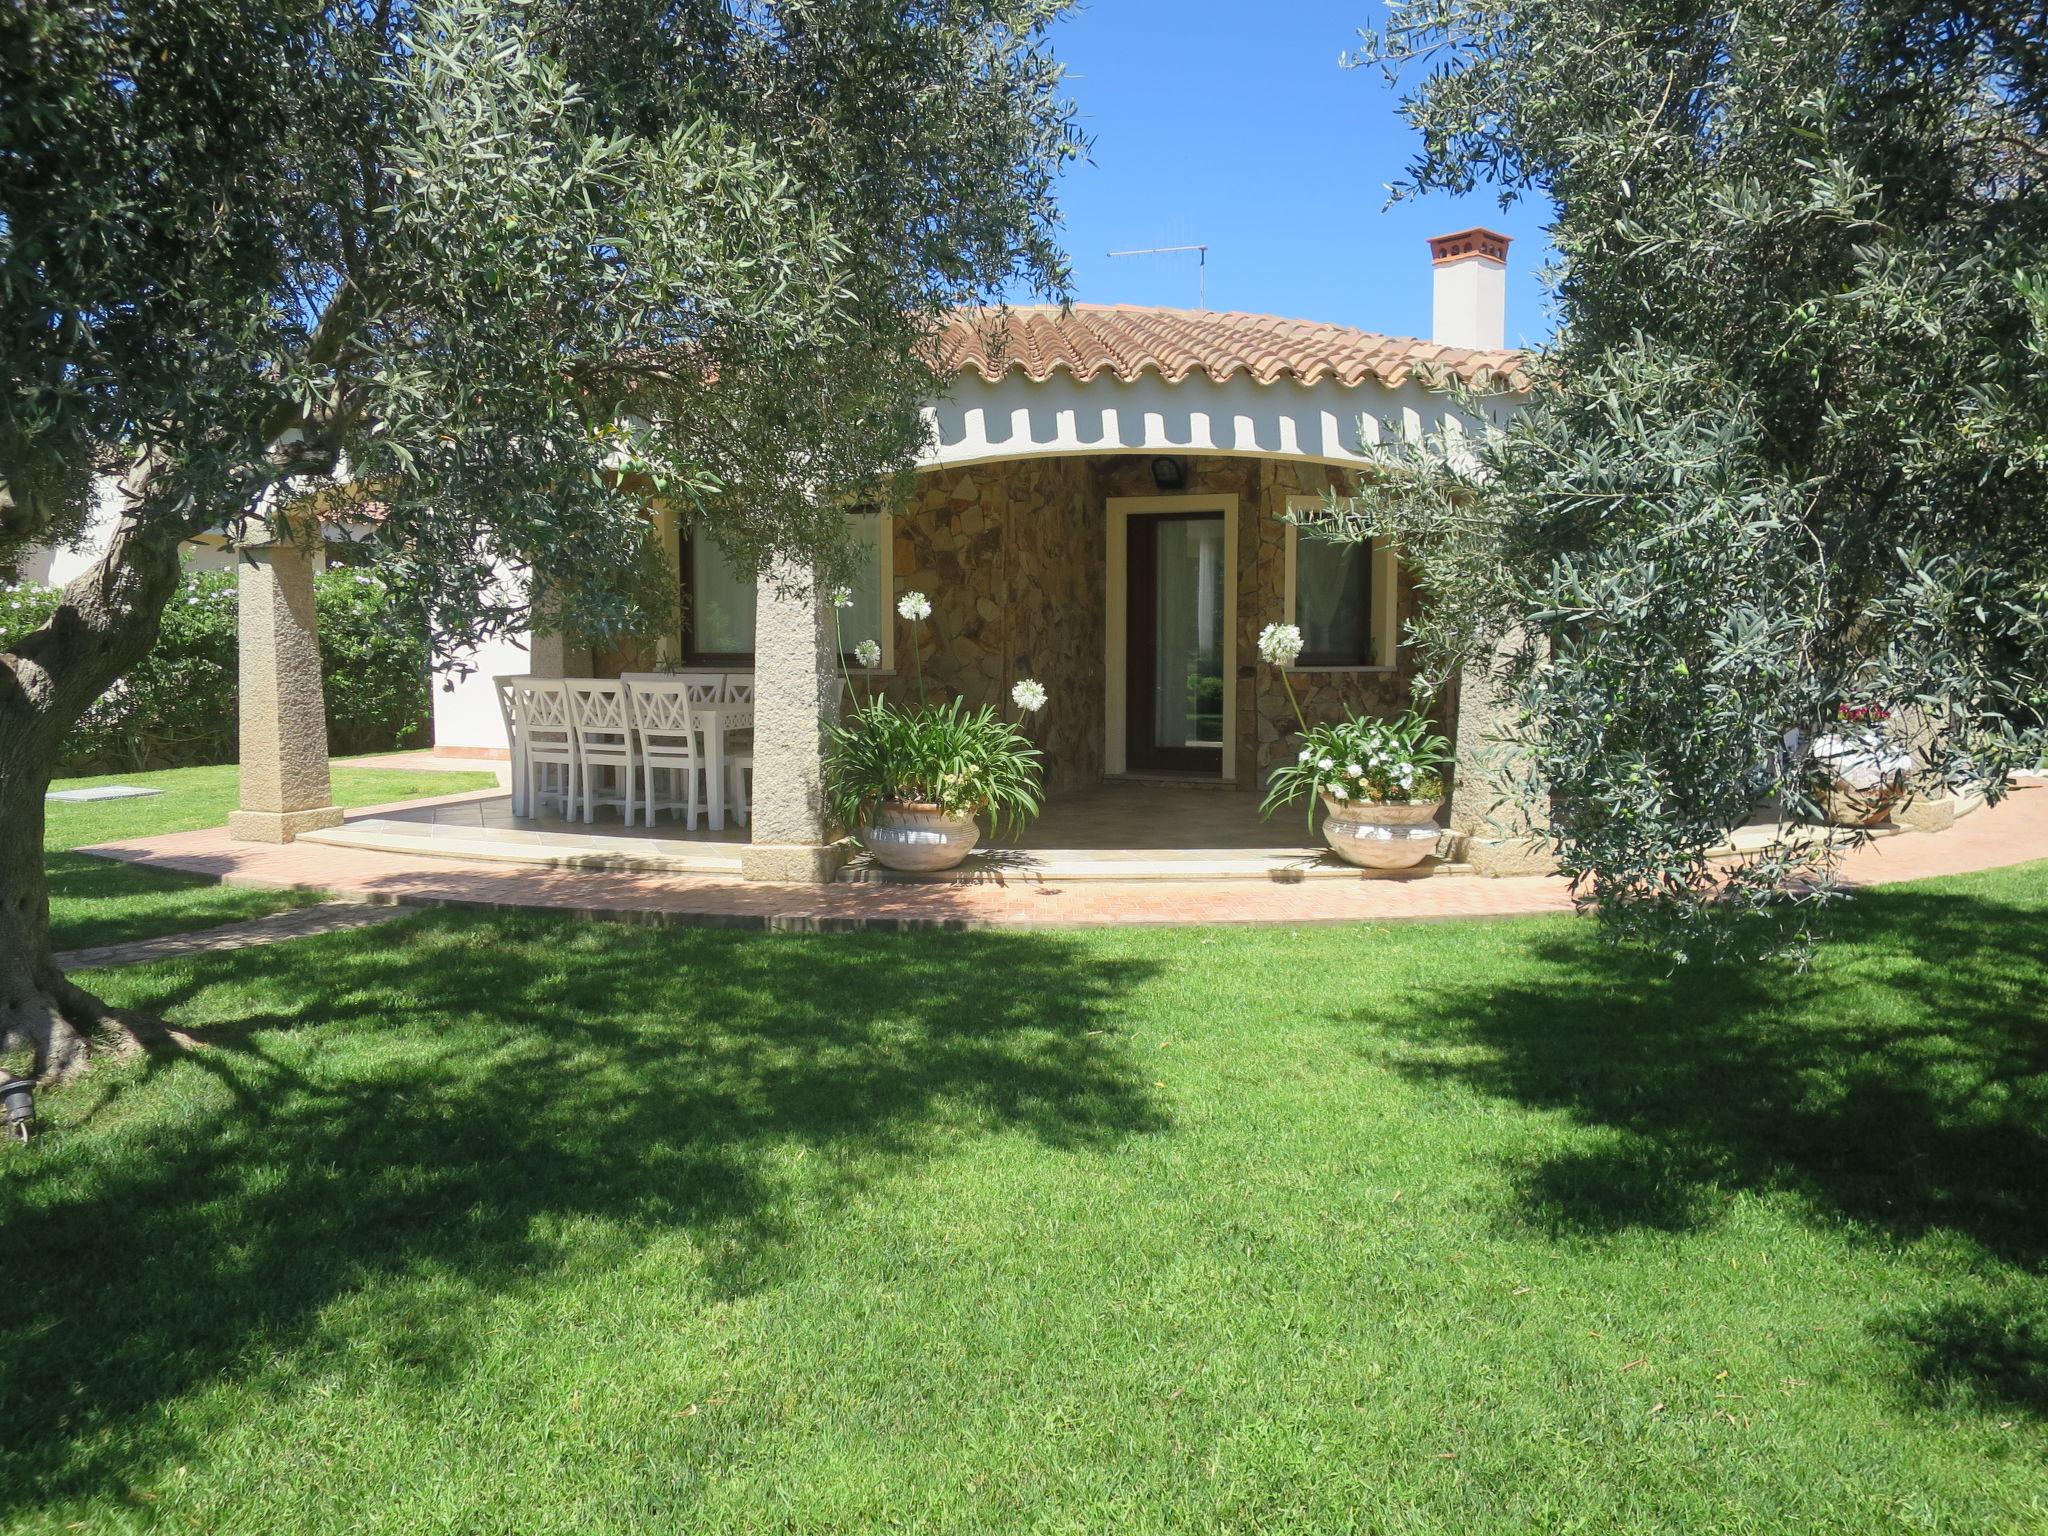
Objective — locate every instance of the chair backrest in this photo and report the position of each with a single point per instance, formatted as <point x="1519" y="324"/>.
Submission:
<point x="705" y="687"/>
<point x="739" y="687"/>
<point x="661" y="713"/>
<point x="597" y="709"/>
<point x="507" y="689"/>
<point x="542" y="704"/>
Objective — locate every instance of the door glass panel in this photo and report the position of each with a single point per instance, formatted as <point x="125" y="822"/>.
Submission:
<point x="1188" y="656"/>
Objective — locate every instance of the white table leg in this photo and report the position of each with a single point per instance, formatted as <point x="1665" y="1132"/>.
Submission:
<point x="714" y="768"/>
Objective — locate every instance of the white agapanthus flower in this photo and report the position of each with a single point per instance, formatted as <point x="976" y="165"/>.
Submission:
<point x="1028" y="695"/>
<point x="842" y="597"/>
<point x="1279" y="644"/>
<point x="915" y="607"/>
<point x="868" y="653"/>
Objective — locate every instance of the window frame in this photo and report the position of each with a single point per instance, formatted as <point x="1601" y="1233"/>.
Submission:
<point x="885" y="558"/>
<point x="1382" y="596"/>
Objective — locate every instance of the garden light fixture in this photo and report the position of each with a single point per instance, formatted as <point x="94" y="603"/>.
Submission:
<point x="18" y="1101"/>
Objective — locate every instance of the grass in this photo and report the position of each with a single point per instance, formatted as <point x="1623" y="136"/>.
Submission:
<point x="94" y="901"/>
<point x="471" y="1224"/>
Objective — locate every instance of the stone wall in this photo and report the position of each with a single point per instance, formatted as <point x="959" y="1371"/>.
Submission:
<point x="1012" y="556"/>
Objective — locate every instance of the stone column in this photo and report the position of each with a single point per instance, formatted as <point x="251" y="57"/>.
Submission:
<point x="285" y="787"/>
<point x="553" y="656"/>
<point x="1498" y="828"/>
<point x="796" y="689"/>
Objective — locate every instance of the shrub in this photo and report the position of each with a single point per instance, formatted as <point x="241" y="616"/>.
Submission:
<point x="373" y="656"/>
<point x="178" y="706"/>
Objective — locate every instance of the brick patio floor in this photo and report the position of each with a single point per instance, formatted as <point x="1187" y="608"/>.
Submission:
<point x="2012" y="832"/>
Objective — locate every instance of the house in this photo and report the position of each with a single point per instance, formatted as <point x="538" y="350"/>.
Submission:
<point x="1099" y="507"/>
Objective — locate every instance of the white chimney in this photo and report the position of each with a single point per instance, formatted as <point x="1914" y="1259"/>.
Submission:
<point x="1471" y="308"/>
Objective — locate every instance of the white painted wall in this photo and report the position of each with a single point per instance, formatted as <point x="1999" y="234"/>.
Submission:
<point x="57" y="564"/>
<point x="466" y="716"/>
<point x="1469" y="303"/>
<point x="1016" y="418"/>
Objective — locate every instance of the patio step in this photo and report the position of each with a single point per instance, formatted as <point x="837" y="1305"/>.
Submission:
<point x="1045" y="866"/>
<point x="548" y="850"/>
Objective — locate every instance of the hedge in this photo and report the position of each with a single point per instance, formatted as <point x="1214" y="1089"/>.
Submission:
<point x="179" y="706"/>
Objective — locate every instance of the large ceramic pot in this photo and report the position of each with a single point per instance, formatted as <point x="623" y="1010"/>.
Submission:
<point x="1385" y="836"/>
<point x="918" y="838"/>
<point x="1850" y="805"/>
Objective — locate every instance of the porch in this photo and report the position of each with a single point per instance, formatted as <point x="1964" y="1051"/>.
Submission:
<point x="1110" y="832"/>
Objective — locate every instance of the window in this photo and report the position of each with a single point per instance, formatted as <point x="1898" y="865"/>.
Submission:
<point x="1342" y="596"/>
<point x="718" y="601"/>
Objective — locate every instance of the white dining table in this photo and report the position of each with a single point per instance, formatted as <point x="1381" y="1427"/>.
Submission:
<point x="713" y="722"/>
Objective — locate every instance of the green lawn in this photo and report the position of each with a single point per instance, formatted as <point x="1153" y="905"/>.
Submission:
<point x="93" y="901"/>
<point x="472" y="1224"/>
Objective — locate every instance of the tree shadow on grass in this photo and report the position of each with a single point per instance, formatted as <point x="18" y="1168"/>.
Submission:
<point x="97" y="901"/>
<point x="1898" y="1089"/>
<point x="1978" y="1354"/>
<point x="473" y="1100"/>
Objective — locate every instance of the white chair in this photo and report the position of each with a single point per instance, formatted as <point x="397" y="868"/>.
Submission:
<point x="508" y="711"/>
<point x="603" y="729"/>
<point x="708" y="691"/>
<point x="739" y="743"/>
<point x="546" y="767"/>
<point x="667" y="741"/>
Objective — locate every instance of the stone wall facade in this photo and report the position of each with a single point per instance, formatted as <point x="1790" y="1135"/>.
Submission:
<point x="1011" y="557"/>
<point x="1014" y="558"/>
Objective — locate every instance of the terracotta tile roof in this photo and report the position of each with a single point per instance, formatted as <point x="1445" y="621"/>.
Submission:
<point x="1127" y="340"/>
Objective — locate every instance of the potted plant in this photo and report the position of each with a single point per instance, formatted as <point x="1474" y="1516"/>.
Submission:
<point x="910" y="780"/>
<point x="1380" y="782"/>
<point x="1858" y="775"/>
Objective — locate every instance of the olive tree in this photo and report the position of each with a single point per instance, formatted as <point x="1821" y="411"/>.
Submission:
<point x="1789" y="452"/>
<point x="506" y="266"/>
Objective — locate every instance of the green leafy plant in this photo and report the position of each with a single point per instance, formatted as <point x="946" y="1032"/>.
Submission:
<point x="373" y="663"/>
<point x="177" y="706"/>
<point x="1377" y="762"/>
<point x="963" y="762"/>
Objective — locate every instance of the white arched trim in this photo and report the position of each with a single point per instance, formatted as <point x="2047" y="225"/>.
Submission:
<point x="1015" y="418"/>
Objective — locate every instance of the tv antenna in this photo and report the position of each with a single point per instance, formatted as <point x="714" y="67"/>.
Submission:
<point x="1201" y="264"/>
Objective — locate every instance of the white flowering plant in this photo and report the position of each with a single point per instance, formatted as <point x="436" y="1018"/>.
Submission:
<point x="958" y="760"/>
<point x="1280" y="644"/>
<point x="1377" y="762"/>
<point x="961" y="761"/>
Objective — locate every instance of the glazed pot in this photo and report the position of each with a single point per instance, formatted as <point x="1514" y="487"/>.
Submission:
<point x="1389" y="835"/>
<point x="918" y="838"/>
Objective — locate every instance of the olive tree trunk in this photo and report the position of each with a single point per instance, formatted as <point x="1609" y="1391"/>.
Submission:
<point x="107" y="623"/>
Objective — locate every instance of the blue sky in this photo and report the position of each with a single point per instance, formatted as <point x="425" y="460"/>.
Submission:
<point x="1228" y="122"/>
